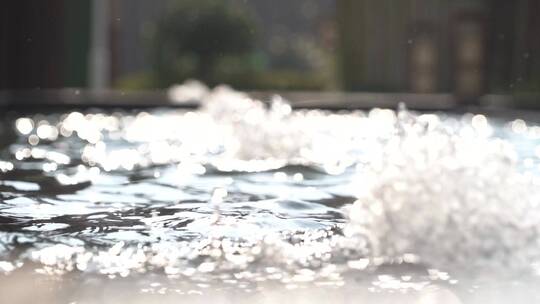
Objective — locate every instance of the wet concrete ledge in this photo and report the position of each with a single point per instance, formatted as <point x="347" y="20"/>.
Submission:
<point x="39" y="99"/>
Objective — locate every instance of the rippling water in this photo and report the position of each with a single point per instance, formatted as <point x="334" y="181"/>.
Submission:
<point x="248" y="196"/>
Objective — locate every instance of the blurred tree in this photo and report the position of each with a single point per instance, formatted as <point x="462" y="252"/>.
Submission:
<point x="195" y="35"/>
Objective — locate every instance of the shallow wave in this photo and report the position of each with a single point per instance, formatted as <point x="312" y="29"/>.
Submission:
<point x="245" y="186"/>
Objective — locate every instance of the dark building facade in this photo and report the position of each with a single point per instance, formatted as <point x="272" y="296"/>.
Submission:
<point x="465" y="47"/>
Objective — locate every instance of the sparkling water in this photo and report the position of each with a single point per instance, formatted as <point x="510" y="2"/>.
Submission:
<point x="242" y="195"/>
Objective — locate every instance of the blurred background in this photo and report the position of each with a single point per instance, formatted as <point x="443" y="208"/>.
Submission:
<point x="463" y="48"/>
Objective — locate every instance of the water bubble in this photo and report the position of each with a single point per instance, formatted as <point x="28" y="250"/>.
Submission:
<point x="24" y="125"/>
<point x="519" y="126"/>
<point x="33" y="140"/>
<point x="6" y="166"/>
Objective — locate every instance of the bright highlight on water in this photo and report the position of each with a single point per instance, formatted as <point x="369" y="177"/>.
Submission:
<point x="244" y="192"/>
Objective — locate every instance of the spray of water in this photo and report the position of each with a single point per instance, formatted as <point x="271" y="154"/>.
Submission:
<point x="451" y="194"/>
<point x="440" y="190"/>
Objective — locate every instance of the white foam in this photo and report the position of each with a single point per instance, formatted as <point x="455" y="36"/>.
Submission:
<point x="451" y="194"/>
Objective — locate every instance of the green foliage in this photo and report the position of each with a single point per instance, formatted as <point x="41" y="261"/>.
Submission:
<point x="195" y="36"/>
<point x="136" y="81"/>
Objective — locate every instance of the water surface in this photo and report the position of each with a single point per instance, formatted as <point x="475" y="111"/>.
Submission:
<point x="243" y="197"/>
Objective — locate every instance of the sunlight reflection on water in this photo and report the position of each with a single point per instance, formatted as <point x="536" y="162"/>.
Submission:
<point x="246" y="192"/>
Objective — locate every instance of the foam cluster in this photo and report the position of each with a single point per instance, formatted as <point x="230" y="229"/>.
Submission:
<point x="451" y="193"/>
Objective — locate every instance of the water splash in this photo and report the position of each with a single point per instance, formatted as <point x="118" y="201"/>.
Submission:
<point x="127" y="193"/>
<point x="451" y="194"/>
